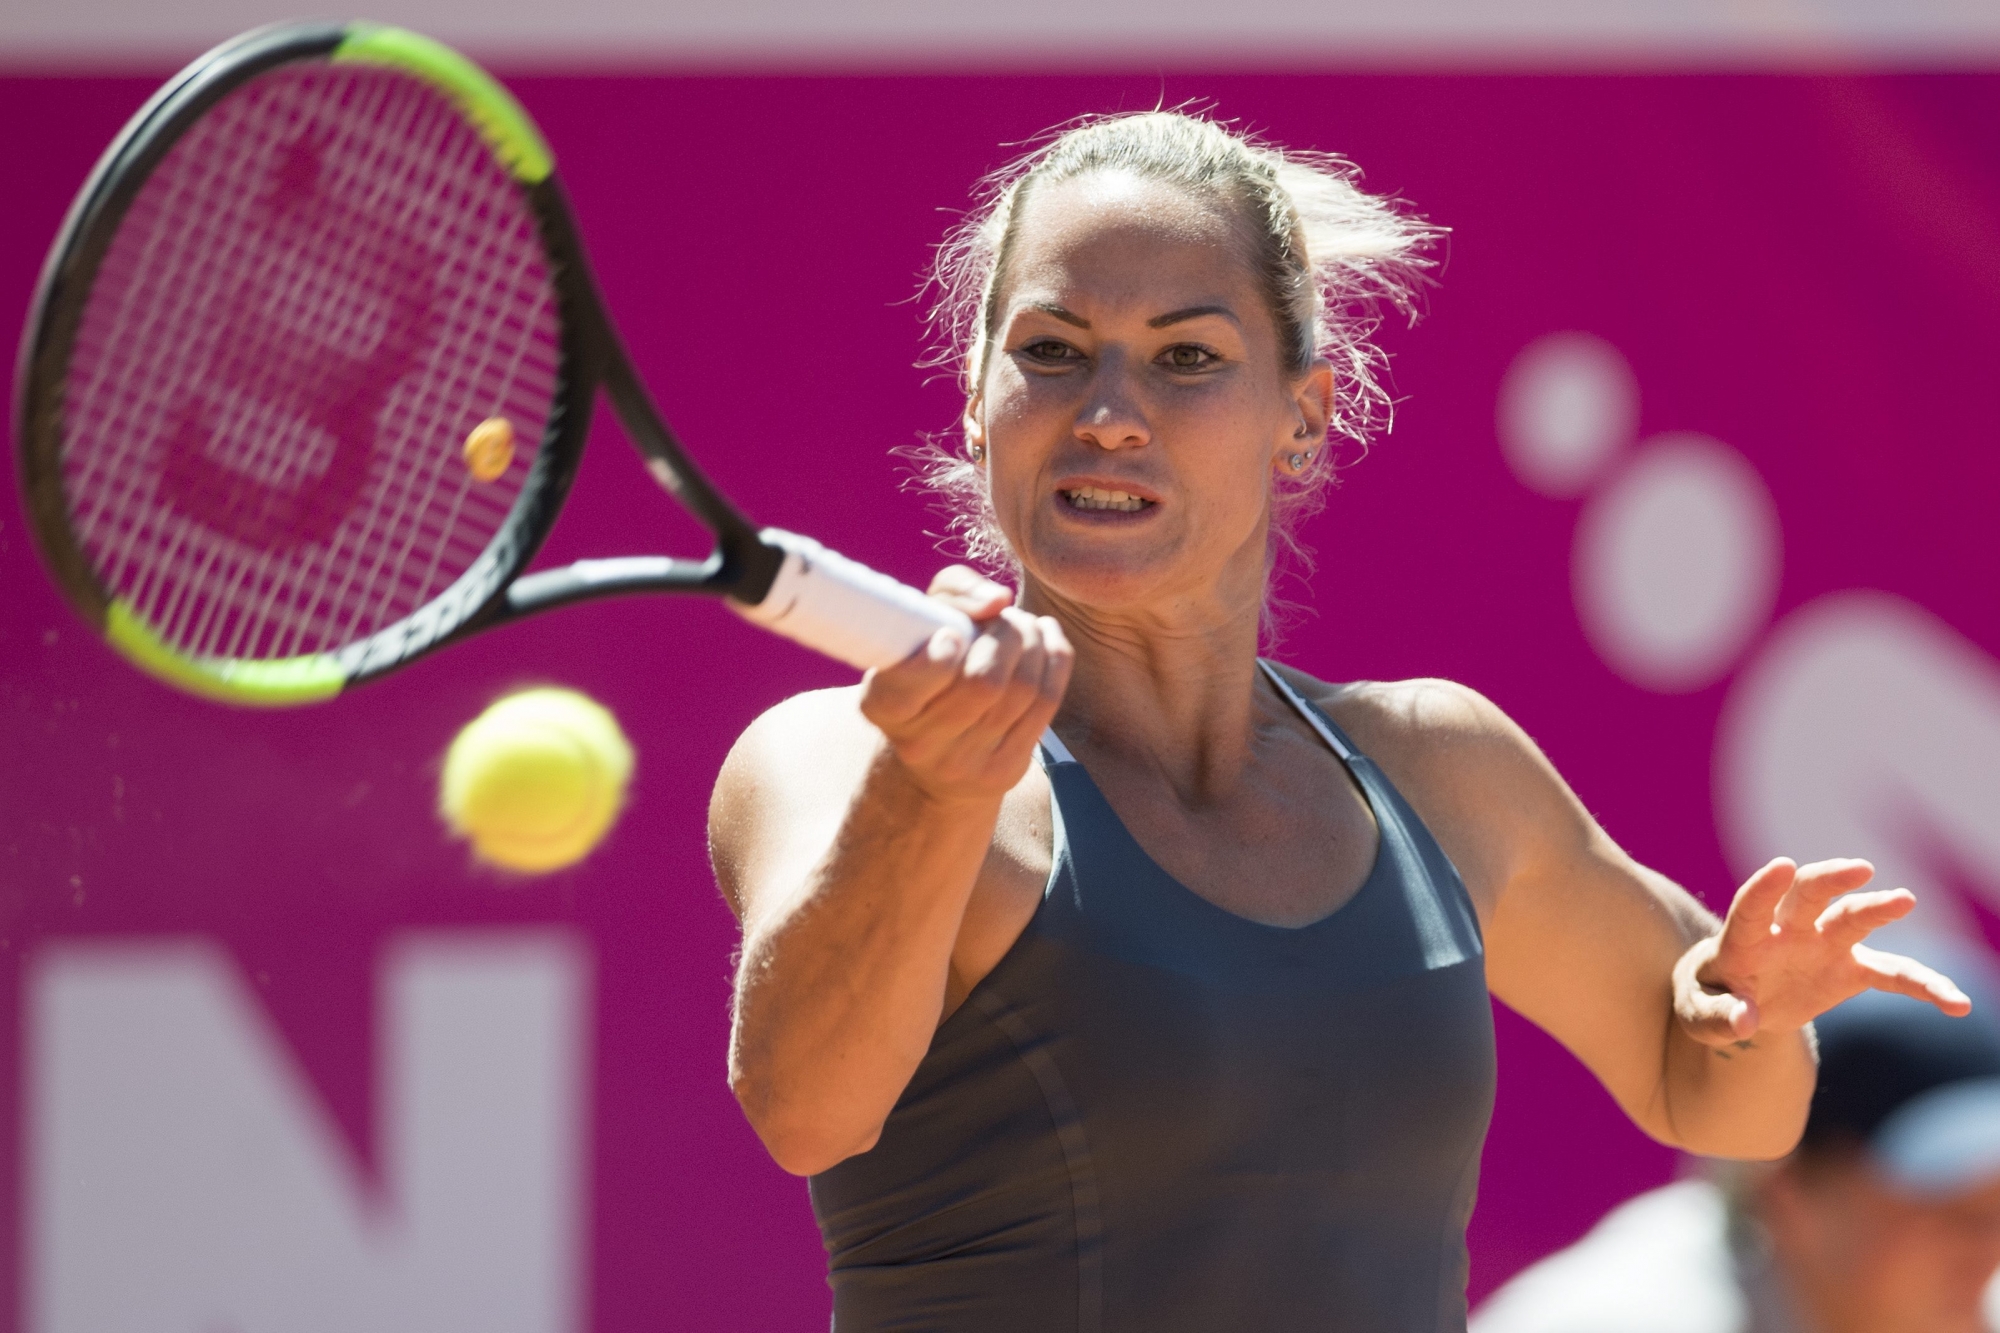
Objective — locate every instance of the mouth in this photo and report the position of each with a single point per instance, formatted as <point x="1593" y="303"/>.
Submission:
<point x="1099" y="499"/>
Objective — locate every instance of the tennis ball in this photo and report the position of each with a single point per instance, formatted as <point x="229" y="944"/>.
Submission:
<point x="537" y="780"/>
<point x="489" y="449"/>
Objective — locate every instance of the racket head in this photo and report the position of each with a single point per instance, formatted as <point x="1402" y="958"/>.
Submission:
<point x="293" y="287"/>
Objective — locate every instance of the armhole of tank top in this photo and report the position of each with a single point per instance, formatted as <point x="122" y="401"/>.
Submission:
<point x="1053" y="751"/>
<point x="1304" y="709"/>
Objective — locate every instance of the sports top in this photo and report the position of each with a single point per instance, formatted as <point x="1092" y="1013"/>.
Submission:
<point x="1156" y="1116"/>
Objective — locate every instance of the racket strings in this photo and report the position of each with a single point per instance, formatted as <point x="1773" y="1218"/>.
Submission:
<point x="319" y="291"/>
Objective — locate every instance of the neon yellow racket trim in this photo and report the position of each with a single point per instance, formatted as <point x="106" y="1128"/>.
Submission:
<point x="500" y="119"/>
<point x="274" y="683"/>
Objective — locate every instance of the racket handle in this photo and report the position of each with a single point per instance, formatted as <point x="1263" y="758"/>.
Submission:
<point x="844" y="609"/>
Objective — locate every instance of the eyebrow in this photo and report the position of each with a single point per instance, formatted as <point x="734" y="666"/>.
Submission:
<point x="1050" y="308"/>
<point x="1194" y="312"/>
<point x="1066" y="316"/>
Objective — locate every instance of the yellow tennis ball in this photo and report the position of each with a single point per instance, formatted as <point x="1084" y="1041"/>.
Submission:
<point x="537" y="780"/>
<point x="489" y="449"/>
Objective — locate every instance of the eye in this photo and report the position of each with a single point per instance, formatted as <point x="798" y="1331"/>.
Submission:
<point x="1050" y="350"/>
<point x="1188" y="356"/>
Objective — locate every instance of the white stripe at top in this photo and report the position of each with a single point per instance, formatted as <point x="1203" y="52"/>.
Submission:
<point x="1057" y="752"/>
<point x="764" y="36"/>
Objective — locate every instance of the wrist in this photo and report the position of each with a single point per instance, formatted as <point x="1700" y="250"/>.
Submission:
<point x="931" y="798"/>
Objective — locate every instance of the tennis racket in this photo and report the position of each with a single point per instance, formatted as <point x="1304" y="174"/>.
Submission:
<point x="309" y="374"/>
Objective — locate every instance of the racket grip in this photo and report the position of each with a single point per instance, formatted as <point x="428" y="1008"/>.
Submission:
<point x="844" y="609"/>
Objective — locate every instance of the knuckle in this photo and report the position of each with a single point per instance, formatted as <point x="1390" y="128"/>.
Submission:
<point x="953" y="578"/>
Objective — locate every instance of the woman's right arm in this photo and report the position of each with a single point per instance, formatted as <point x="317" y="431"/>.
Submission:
<point x="847" y="831"/>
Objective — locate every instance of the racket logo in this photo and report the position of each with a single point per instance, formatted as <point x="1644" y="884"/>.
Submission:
<point x="276" y="448"/>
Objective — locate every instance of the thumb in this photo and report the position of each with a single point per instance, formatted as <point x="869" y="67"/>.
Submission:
<point x="1715" y="1018"/>
<point x="971" y="592"/>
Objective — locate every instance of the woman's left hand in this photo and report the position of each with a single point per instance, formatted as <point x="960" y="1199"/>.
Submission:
<point x="1792" y="949"/>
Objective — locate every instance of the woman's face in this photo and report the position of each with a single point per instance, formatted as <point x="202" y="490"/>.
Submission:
<point x="1135" y="403"/>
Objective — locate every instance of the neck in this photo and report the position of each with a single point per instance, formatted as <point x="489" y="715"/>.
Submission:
<point x="1167" y="691"/>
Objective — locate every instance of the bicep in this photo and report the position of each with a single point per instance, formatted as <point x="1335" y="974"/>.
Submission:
<point x="780" y="798"/>
<point x="1582" y="942"/>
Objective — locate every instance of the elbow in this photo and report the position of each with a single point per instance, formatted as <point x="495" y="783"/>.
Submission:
<point x="805" y="1157"/>
<point x="1760" y="1143"/>
<point x="807" y="1151"/>
<point x="801" y="1140"/>
<point x="1737" y="1137"/>
<point x="1742" y="1149"/>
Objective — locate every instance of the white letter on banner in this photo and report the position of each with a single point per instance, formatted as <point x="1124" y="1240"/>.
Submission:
<point x="183" y="1177"/>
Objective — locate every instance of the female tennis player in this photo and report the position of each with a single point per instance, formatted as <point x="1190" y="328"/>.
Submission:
<point x="1185" y="1026"/>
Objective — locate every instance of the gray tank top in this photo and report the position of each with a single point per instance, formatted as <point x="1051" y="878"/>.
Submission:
<point x="1155" y="1116"/>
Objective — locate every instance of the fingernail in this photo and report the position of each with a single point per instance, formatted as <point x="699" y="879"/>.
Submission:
<point x="946" y="645"/>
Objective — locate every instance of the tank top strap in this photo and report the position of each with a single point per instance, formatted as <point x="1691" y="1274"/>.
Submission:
<point x="1052" y="751"/>
<point x="1314" y="716"/>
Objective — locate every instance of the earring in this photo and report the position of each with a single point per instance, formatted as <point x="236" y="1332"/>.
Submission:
<point x="977" y="452"/>
<point x="1299" y="461"/>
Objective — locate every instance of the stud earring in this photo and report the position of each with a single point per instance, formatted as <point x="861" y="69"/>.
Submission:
<point x="977" y="452"/>
<point x="1299" y="461"/>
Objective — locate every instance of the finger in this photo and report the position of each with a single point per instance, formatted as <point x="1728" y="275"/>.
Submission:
<point x="1818" y="884"/>
<point x="1756" y="907"/>
<point x="896" y="694"/>
<point x="1850" y="919"/>
<point x="996" y="654"/>
<point x="960" y="713"/>
<point x="1906" y="976"/>
<point x="970" y="591"/>
<point x="1717" y="1018"/>
<point x="1035" y="718"/>
<point x="1061" y="661"/>
<point x="1020" y="691"/>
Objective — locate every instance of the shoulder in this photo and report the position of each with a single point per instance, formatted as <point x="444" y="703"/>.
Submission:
<point x="811" y="740"/>
<point x="792" y="771"/>
<point x="1659" y="1263"/>
<point x="819" y="724"/>
<point x="1411" y="717"/>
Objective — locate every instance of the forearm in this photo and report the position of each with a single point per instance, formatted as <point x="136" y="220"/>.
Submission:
<point x="1744" y="1100"/>
<point x="840" y="988"/>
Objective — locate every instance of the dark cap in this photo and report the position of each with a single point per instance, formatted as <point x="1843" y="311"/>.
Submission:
<point x="1917" y="1088"/>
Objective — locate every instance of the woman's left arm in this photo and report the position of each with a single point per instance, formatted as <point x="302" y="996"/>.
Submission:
<point x="1699" y="1029"/>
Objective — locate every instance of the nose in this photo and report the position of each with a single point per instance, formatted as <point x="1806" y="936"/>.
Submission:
<point x="1111" y="417"/>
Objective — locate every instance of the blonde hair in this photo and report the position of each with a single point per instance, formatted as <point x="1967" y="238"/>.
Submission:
<point x="1329" y="256"/>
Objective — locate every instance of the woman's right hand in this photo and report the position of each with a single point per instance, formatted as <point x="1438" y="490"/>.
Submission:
<point x="962" y="719"/>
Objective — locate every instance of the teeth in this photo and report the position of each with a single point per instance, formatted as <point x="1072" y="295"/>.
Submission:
<point x="1090" y="497"/>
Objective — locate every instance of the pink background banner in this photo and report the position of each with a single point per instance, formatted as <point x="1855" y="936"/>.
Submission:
<point x="1694" y="472"/>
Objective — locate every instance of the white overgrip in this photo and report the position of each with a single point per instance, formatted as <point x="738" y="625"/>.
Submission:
<point x="844" y="609"/>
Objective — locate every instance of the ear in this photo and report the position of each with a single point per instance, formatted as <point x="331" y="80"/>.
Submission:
<point x="974" y="422"/>
<point x="1311" y="416"/>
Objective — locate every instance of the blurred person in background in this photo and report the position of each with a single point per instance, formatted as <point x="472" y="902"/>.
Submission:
<point x="1886" y="1219"/>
